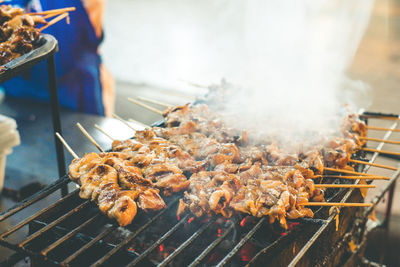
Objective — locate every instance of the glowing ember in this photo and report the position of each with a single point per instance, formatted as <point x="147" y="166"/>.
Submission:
<point x="292" y="225"/>
<point x="161" y="247"/>
<point x="242" y="222"/>
<point x="219" y="232"/>
<point x="191" y="220"/>
<point x="178" y="217"/>
<point x="247" y="252"/>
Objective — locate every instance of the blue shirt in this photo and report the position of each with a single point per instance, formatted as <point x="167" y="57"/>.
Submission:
<point x="77" y="62"/>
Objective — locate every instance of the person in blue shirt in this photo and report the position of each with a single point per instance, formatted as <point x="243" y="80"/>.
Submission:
<point x="84" y="84"/>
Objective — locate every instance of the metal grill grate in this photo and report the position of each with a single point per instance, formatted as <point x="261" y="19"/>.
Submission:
<point x="72" y="231"/>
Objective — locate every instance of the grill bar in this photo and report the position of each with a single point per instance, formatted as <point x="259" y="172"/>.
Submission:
<point x="35" y="197"/>
<point x="241" y="243"/>
<point x="212" y="245"/>
<point x="88" y="245"/>
<point x="376" y="199"/>
<point x="159" y="241"/>
<point x="132" y="236"/>
<point x="308" y="245"/>
<point x="69" y="235"/>
<point x="186" y="243"/>
<point x="54" y="223"/>
<point x="33" y="217"/>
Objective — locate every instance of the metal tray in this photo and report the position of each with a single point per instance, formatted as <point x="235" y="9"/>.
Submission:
<point x="49" y="46"/>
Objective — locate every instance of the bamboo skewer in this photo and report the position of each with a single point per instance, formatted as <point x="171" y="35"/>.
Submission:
<point x="344" y="186"/>
<point x="103" y="132"/>
<point x="55" y="20"/>
<point x="373" y="164"/>
<point x="54" y="11"/>
<point x="346" y="171"/>
<point x="123" y="121"/>
<point x="381" y="151"/>
<point x="91" y="139"/>
<point x="152" y="101"/>
<point x="353" y="177"/>
<point x="145" y="106"/>
<point x="138" y="122"/>
<point x="67" y="146"/>
<point x="392" y="118"/>
<point x="382" y="129"/>
<point x="194" y="84"/>
<point x="380" y="140"/>
<point x="336" y="204"/>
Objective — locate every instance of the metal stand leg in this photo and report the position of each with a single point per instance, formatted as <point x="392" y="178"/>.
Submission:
<point x="55" y="111"/>
<point x="385" y="223"/>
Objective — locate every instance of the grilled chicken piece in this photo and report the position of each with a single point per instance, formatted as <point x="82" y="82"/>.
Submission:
<point x="150" y="200"/>
<point x="90" y="181"/>
<point x="79" y="167"/>
<point x="210" y="192"/>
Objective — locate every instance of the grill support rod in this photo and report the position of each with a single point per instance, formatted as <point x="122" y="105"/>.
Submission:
<point x="212" y="245"/>
<point x="132" y="236"/>
<point x="186" y="243"/>
<point x="241" y="243"/>
<point x="54" y="223"/>
<point x="69" y="235"/>
<point x="159" y="241"/>
<point x="33" y="217"/>
<point x="34" y="198"/>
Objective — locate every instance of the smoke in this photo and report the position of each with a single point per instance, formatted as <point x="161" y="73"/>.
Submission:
<point x="289" y="57"/>
<point x="293" y="64"/>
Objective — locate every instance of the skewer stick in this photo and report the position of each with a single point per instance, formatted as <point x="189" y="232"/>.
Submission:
<point x="57" y="11"/>
<point x="123" y="121"/>
<point x="382" y="129"/>
<point x="336" y="204"/>
<point x="91" y="139"/>
<point x="380" y="140"/>
<point x="53" y="21"/>
<point x="346" y="171"/>
<point x="381" y="117"/>
<point x="139" y="123"/>
<point x="152" y="101"/>
<point x="381" y="151"/>
<point x="373" y="164"/>
<point x="194" y="84"/>
<point x="345" y="185"/>
<point x="103" y="132"/>
<point x="51" y="15"/>
<point x="67" y="146"/>
<point x="145" y="106"/>
<point x="353" y="177"/>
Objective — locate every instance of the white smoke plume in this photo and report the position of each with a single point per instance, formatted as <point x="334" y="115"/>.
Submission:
<point x="288" y="56"/>
<point x="292" y="71"/>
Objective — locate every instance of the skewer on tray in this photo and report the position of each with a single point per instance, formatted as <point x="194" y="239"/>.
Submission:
<point x="382" y="129"/>
<point x="336" y="204"/>
<point x="152" y="101"/>
<point x="373" y="164"/>
<point x="380" y="140"/>
<point x="353" y="177"/>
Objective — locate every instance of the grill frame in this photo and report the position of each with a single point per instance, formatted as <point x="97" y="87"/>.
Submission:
<point x="284" y="247"/>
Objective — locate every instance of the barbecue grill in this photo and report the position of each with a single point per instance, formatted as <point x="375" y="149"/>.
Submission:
<point x="72" y="231"/>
